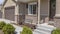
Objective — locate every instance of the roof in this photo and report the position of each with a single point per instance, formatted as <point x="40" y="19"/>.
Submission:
<point x="5" y="3"/>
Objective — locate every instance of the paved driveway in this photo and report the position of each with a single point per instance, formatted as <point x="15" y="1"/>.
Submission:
<point x="1" y="32"/>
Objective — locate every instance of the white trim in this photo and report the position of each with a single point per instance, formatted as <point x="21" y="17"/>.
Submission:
<point x="30" y="14"/>
<point x="32" y="3"/>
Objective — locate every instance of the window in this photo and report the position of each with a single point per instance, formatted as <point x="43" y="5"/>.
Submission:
<point x="32" y="8"/>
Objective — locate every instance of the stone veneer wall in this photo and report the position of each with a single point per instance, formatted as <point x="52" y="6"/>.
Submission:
<point x="57" y="22"/>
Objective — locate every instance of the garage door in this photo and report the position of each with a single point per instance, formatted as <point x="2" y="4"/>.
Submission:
<point x="10" y="13"/>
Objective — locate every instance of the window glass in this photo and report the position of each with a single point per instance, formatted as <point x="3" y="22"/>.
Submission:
<point x="32" y="9"/>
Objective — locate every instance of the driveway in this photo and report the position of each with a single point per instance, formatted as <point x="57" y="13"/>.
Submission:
<point x="1" y="32"/>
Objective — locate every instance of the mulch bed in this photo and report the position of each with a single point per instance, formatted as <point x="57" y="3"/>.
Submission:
<point x="1" y="32"/>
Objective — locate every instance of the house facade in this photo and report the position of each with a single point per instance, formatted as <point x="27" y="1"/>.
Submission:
<point x="32" y="11"/>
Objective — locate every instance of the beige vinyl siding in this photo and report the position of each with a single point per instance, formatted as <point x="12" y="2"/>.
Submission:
<point x="44" y="10"/>
<point x="44" y="7"/>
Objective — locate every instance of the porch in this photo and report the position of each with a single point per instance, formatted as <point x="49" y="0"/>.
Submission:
<point x="33" y="12"/>
<point x="30" y="11"/>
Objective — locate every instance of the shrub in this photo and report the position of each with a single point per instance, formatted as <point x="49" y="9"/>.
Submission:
<point x="8" y="29"/>
<point x="56" y="31"/>
<point x="2" y="24"/>
<point x="26" y="30"/>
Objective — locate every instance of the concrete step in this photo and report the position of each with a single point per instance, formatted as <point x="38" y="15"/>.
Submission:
<point x="46" y="26"/>
<point x="36" y="33"/>
<point x="41" y="31"/>
<point x="44" y="29"/>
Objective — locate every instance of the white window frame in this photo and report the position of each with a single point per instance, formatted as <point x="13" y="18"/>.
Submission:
<point x="33" y="3"/>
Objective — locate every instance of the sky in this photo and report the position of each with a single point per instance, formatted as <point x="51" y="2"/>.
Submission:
<point x="1" y="1"/>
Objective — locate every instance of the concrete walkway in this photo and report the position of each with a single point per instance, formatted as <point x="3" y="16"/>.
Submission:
<point x="7" y="21"/>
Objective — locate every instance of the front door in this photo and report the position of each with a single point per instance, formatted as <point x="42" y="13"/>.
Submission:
<point x="52" y="9"/>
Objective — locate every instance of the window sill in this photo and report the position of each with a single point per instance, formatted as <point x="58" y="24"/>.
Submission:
<point x="31" y="15"/>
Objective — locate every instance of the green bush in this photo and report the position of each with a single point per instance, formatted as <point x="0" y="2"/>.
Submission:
<point x="2" y="24"/>
<point x="56" y="31"/>
<point x="8" y="29"/>
<point x="26" y="30"/>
